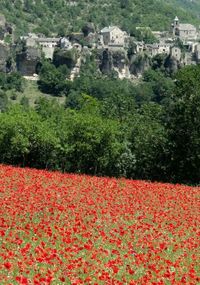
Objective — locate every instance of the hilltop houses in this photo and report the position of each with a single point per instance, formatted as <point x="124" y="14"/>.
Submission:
<point x="179" y="44"/>
<point x="113" y="38"/>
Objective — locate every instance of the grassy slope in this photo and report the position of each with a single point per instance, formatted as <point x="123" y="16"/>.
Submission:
<point x="32" y="92"/>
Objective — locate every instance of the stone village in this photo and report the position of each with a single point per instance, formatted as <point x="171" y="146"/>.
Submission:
<point x="180" y="45"/>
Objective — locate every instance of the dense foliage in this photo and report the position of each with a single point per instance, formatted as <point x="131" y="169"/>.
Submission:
<point x="63" y="16"/>
<point x="10" y="81"/>
<point x="109" y="127"/>
<point x="73" y="229"/>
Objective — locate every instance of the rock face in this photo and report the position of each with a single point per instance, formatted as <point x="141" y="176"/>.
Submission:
<point x="118" y="62"/>
<point x="28" y="61"/>
<point x="138" y="64"/>
<point x="106" y="62"/>
<point x="119" y="59"/>
<point x="65" y="57"/>
<point x="171" y="64"/>
<point x="88" y="28"/>
<point x="5" y="28"/>
<point x="114" y="61"/>
<point x="4" y="56"/>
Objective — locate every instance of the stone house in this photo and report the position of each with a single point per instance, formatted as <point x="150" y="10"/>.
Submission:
<point x="47" y="45"/>
<point x="158" y="48"/>
<point x="113" y="36"/>
<point x="175" y="52"/>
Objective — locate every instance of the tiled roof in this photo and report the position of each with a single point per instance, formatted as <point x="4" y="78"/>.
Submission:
<point x="108" y="29"/>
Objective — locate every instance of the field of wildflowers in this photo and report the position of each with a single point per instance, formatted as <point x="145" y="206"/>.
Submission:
<point x="69" y="229"/>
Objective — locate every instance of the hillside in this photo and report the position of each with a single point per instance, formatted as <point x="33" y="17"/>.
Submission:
<point x="62" y="16"/>
<point x="71" y="229"/>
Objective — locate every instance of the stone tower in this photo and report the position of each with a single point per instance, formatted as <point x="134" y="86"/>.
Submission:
<point x="175" y="26"/>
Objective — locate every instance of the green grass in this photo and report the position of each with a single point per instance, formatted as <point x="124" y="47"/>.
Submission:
<point x="32" y="93"/>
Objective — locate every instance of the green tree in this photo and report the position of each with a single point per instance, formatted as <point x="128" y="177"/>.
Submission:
<point x="89" y="144"/>
<point x="26" y="139"/>
<point x="183" y="119"/>
<point x="3" y="101"/>
<point x="52" y="80"/>
<point x="149" y="143"/>
<point x="11" y="81"/>
<point x="161" y="85"/>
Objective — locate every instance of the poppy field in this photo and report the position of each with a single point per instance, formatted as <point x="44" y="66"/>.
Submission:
<point x="74" y="229"/>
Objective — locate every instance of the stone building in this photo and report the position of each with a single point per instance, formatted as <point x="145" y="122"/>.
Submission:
<point x="157" y="48"/>
<point x="113" y="36"/>
<point x="47" y="45"/>
<point x="184" y="31"/>
<point x="175" y="52"/>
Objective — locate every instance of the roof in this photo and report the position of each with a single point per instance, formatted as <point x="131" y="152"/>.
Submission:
<point x="176" y="19"/>
<point x="109" y="29"/>
<point x="186" y="27"/>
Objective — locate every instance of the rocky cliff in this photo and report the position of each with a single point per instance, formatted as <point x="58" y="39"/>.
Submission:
<point x="4" y="56"/>
<point x="28" y="61"/>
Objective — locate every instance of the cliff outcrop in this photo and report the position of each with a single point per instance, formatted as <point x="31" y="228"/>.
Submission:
<point x="4" y="56"/>
<point x="27" y="61"/>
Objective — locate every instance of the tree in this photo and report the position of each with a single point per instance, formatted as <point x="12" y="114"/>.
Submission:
<point x="52" y="80"/>
<point x="3" y="101"/>
<point x="161" y="85"/>
<point x="11" y="81"/>
<point x="89" y="144"/>
<point x="26" y="139"/>
<point x="183" y="118"/>
<point x="149" y="143"/>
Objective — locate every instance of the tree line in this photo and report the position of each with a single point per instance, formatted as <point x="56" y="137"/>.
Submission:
<point x="111" y="127"/>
